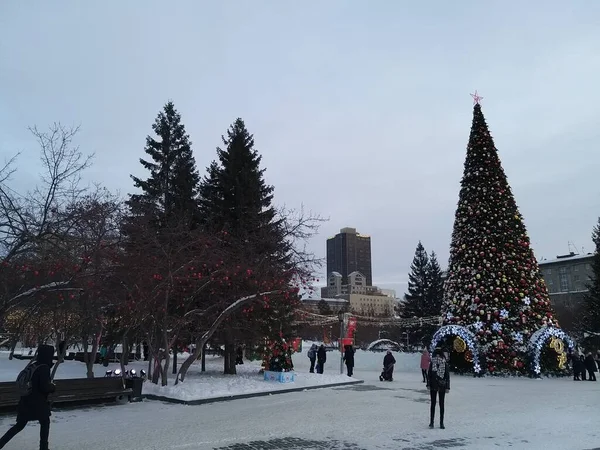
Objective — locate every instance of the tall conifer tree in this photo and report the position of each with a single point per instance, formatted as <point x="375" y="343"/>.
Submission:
<point x="591" y="312"/>
<point x="170" y="192"/>
<point x="494" y="284"/>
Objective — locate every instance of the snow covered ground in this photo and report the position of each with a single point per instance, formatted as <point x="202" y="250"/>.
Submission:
<point x="487" y="413"/>
<point x="213" y="384"/>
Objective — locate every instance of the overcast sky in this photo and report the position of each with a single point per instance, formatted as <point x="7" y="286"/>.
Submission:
<point x="361" y="109"/>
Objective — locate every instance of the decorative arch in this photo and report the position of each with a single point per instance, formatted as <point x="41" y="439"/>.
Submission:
<point x="466" y="335"/>
<point x="383" y="344"/>
<point x="536" y="342"/>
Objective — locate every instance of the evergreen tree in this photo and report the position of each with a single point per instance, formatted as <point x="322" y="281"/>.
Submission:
<point x="591" y="310"/>
<point x="234" y="195"/>
<point x="494" y="283"/>
<point x="170" y="191"/>
<point x="235" y="198"/>
<point x="324" y="308"/>
<point x="435" y="289"/>
<point x="415" y="300"/>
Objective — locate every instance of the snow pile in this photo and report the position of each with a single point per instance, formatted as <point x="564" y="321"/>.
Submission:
<point x="213" y="384"/>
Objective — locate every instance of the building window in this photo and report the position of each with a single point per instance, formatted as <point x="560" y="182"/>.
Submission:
<point x="562" y="270"/>
<point x="564" y="282"/>
<point x="549" y="271"/>
<point x="576" y="268"/>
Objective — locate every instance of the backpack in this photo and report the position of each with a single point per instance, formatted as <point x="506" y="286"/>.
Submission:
<point x="311" y="354"/>
<point x="24" y="379"/>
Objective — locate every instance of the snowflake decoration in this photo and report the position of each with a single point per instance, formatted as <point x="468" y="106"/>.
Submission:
<point x="504" y="314"/>
<point x="477" y="325"/>
<point x="527" y="301"/>
<point x="518" y="337"/>
<point x="497" y="326"/>
<point x="449" y="315"/>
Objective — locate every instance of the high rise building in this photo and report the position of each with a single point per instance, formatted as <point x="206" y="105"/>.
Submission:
<point x="349" y="252"/>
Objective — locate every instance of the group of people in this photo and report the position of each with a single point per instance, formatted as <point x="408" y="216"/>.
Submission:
<point x="317" y="355"/>
<point x="583" y="364"/>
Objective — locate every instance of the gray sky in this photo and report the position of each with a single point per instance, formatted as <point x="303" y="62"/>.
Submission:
<point x="360" y="109"/>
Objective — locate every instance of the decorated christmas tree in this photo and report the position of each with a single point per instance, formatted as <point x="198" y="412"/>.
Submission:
<point x="494" y="286"/>
<point x="277" y="356"/>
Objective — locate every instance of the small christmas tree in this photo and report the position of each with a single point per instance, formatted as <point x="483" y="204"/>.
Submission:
<point x="494" y="285"/>
<point x="278" y="356"/>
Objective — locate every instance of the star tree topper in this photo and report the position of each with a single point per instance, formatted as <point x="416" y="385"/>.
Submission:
<point x="476" y="98"/>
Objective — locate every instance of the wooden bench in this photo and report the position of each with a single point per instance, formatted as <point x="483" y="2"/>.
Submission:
<point x="74" y="391"/>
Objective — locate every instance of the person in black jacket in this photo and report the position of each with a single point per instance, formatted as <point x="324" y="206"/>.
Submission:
<point x="388" y="367"/>
<point x="578" y="367"/>
<point x="349" y="359"/>
<point x="590" y="365"/>
<point x="321" y="358"/>
<point x="439" y="384"/>
<point x="35" y="406"/>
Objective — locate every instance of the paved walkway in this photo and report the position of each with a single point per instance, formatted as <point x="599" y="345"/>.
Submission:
<point x="481" y="414"/>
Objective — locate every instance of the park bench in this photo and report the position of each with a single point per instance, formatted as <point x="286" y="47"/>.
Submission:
<point x="73" y="392"/>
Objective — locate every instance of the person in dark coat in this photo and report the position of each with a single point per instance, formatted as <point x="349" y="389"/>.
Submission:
<point x="590" y="365"/>
<point x="35" y="406"/>
<point x="321" y="358"/>
<point x="439" y="384"/>
<point x="388" y="367"/>
<point x="349" y="359"/>
<point x="240" y="356"/>
<point x="578" y="368"/>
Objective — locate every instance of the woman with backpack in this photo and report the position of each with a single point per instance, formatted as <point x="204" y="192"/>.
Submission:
<point x="438" y="384"/>
<point x="34" y="384"/>
<point x="312" y="356"/>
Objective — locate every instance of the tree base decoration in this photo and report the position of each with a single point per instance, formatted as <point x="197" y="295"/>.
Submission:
<point x="463" y="340"/>
<point x="550" y="360"/>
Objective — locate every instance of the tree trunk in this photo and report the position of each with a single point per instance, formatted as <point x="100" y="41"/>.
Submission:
<point x="175" y="360"/>
<point x="60" y="358"/>
<point x="122" y="361"/>
<point x="201" y="342"/>
<point x="229" y="360"/>
<point x="203" y="350"/>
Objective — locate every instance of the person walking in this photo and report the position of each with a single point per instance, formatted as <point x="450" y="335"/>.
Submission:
<point x="312" y="355"/>
<point x="425" y="360"/>
<point x="35" y="385"/>
<point x="349" y="359"/>
<point x="439" y="384"/>
<point x="590" y="365"/>
<point x="321" y="358"/>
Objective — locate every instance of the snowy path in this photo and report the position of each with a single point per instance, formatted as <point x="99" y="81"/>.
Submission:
<point x="481" y="414"/>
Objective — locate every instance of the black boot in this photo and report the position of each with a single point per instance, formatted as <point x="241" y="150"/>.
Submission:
<point x="442" y="420"/>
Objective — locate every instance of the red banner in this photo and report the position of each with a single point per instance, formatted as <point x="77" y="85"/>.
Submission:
<point x="351" y="327"/>
<point x="344" y="342"/>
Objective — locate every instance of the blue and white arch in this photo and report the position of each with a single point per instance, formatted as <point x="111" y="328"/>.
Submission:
<point x="537" y="340"/>
<point x="465" y="334"/>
